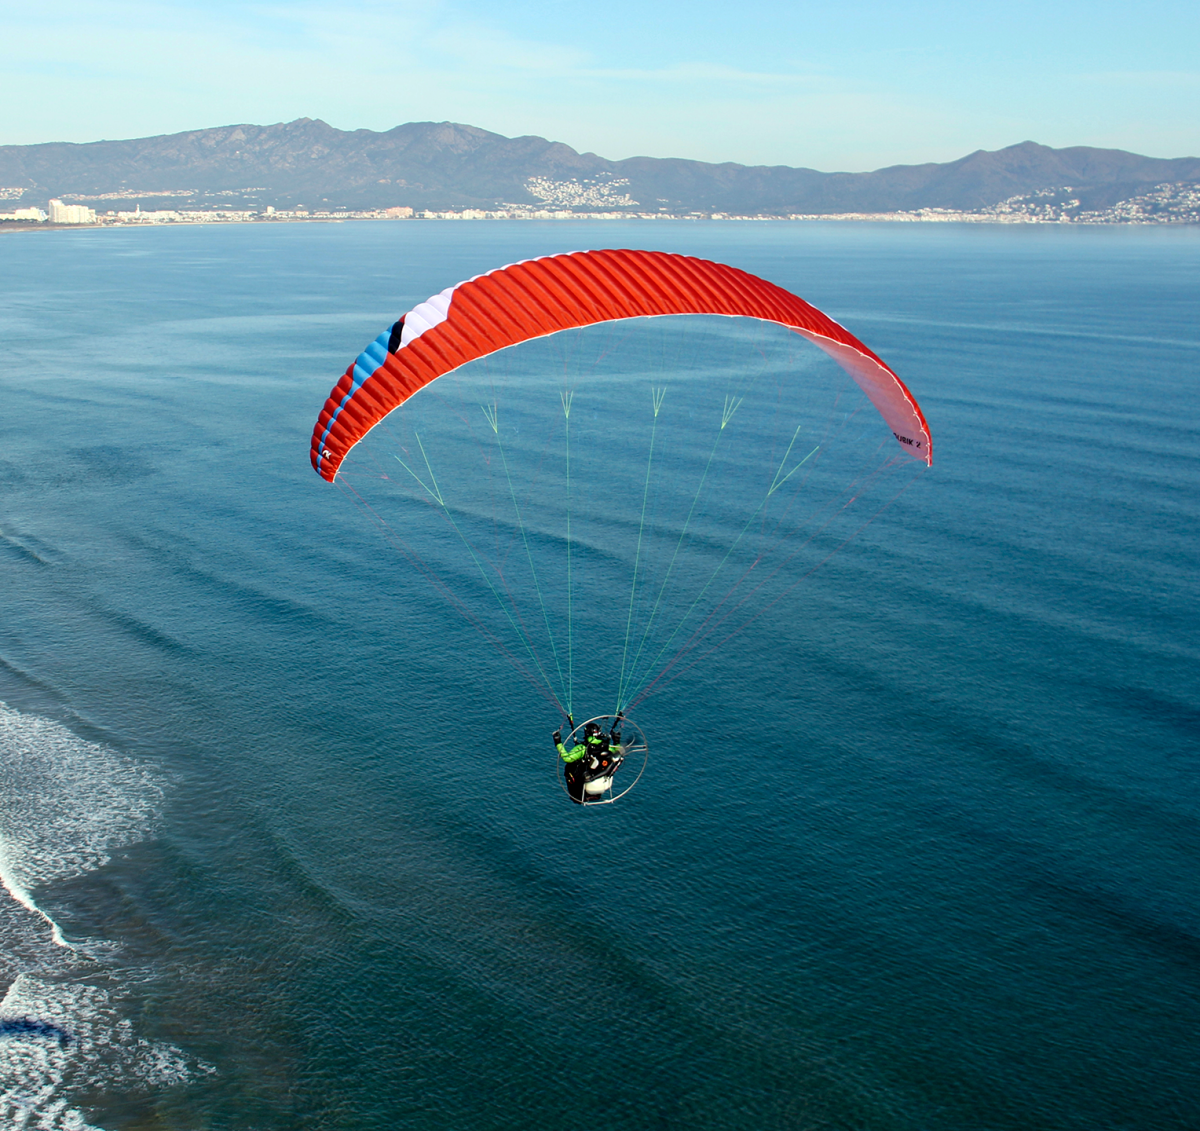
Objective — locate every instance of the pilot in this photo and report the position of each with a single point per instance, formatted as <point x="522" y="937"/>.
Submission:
<point x="580" y="757"/>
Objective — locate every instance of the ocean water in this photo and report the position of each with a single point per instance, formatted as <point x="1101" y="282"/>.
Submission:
<point x="280" y="834"/>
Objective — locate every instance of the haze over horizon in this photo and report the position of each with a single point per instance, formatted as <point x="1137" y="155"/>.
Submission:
<point x="852" y="87"/>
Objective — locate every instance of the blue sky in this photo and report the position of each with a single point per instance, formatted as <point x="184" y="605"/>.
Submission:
<point x="846" y="84"/>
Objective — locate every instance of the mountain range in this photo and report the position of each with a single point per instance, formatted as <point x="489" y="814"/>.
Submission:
<point x="435" y="165"/>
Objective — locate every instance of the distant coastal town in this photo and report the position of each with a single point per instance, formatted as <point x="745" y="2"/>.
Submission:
<point x="1168" y="203"/>
<point x="307" y="171"/>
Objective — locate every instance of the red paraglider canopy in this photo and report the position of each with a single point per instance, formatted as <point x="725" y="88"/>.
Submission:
<point x="560" y="292"/>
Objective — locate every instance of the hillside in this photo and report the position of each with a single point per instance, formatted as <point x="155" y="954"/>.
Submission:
<point x="445" y="165"/>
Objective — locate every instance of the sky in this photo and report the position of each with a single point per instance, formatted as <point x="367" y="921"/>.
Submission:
<point x="842" y="85"/>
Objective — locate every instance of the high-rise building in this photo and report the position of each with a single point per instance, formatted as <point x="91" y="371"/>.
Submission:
<point x="70" y="213"/>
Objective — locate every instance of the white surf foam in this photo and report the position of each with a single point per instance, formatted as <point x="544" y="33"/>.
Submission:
<point x="65" y="805"/>
<point x="79" y="1041"/>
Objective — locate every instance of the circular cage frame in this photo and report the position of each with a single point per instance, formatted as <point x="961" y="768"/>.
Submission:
<point x="633" y="746"/>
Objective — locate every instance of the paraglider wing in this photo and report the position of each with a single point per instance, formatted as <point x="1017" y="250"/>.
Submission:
<point x="560" y="292"/>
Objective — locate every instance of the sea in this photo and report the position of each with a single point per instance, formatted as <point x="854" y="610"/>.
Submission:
<point x="282" y="844"/>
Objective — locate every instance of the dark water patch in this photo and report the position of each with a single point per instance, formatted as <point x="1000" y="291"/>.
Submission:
<point x="110" y="467"/>
<point x="91" y="468"/>
<point x="1157" y="708"/>
<point x="26" y="690"/>
<point x="140" y="630"/>
<point x="240" y="597"/>
<point x="27" y="1028"/>
<point x="12" y="474"/>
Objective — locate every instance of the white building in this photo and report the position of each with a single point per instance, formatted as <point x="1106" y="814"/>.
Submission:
<point x="70" y="213"/>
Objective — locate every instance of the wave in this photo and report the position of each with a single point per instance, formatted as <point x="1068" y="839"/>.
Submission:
<point x="66" y="804"/>
<point x="56" y="1037"/>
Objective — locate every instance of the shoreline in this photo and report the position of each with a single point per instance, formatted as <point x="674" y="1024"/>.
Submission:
<point x="973" y="219"/>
